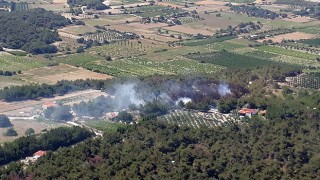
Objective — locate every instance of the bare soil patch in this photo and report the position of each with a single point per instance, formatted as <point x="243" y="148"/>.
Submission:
<point x="290" y="36"/>
<point x="189" y="30"/>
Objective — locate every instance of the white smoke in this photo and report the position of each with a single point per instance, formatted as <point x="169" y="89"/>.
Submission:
<point x="223" y="89"/>
<point x="125" y="94"/>
<point x="185" y="100"/>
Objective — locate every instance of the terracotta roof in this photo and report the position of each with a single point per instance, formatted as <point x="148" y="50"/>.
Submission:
<point x="50" y="104"/>
<point x="40" y="153"/>
<point x="247" y="111"/>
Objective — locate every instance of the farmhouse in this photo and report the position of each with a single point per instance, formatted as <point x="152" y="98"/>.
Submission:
<point x="48" y="104"/>
<point x="247" y="112"/>
<point x="35" y="157"/>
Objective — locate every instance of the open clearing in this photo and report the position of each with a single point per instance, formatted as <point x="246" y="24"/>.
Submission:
<point x="290" y="36"/>
<point x="22" y="125"/>
<point x="78" y="30"/>
<point x="52" y="75"/>
<point x="189" y="30"/>
<point x="11" y="62"/>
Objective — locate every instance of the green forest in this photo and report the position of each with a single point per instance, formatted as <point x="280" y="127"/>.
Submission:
<point x="32" y="30"/>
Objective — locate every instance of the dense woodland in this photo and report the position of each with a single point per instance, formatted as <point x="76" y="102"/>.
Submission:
<point x="51" y="140"/>
<point x="32" y="30"/>
<point x="262" y="149"/>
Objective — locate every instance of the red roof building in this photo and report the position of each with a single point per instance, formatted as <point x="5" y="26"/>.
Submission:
<point x="49" y="104"/>
<point x="247" y="112"/>
<point x="40" y="153"/>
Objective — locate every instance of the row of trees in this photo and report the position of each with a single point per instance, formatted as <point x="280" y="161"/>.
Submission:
<point x="257" y="12"/>
<point x="34" y="91"/>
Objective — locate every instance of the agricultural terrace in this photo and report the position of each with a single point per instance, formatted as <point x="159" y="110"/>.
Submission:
<point x="196" y="119"/>
<point x="312" y="42"/>
<point x="23" y="124"/>
<point x="124" y="49"/>
<point x="231" y="60"/>
<point x="78" y="30"/>
<point x="289" y="36"/>
<point x="287" y="52"/>
<point x="154" y="10"/>
<point x="306" y="80"/>
<point x="139" y="66"/>
<point x="11" y="62"/>
<point x="53" y="74"/>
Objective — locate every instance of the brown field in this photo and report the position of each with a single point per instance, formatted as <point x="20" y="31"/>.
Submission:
<point x="59" y="7"/>
<point x="77" y="30"/>
<point x="212" y="23"/>
<point x="147" y="26"/>
<point x="290" y="36"/>
<point x="211" y="2"/>
<point x="52" y="75"/>
<point x="169" y="4"/>
<point x="300" y="19"/>
<point x="22" y="125"/>
<point x="189" y="30"/>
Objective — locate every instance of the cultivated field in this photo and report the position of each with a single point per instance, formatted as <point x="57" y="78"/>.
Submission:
<point x="53" y="74"/>
<point x="22" y="125"/>
<point x="290" y="36"/>
<point x="11" y="62"/>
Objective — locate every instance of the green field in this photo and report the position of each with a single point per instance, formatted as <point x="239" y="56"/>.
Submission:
<point x="231" y="60"/>
<point x="103" y="125"/>
<point x="200" y="42"/>
<point x="14" y="63"/>
<point x="152" y="11"/>
<point x="287" y="52"/>
<point x="124" y="49"/>
<point x="313" y="42"/>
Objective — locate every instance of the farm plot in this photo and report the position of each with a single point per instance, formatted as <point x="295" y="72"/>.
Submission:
<point x="197" y="120"/>
<point x="189" y="30"/>
<point x="7" y="81"/>
<point x="52" y="75"/>
<point x="287" y="52"/>
<point x="22" y="125"/>
<point x="310" y="30"/>
<point x="152" y="11"/>
<point x="289" y="36"/>
<point x="200" y="42"/>
<point x="231" y="60"/>
<point x="109" y="36"/>
<point x="124" y="49"/>
<point x="313" y="42"/>
<point x="78" y="30"/>
<point x="14" y="63"/>
<point x="182" y="67"/>
<point x="307" y="80"/>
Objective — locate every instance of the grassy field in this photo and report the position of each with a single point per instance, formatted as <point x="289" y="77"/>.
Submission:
<point x="78" y="30"/>
<point x="152" y="11"/>
<point x="14" y="63"/>
<point x="124" y="49"/>
<point x="231" y="60"/>
<point x="102" y="125"/>
<point x="287" y="52"/>
<point x="200" y="42"/>
<point x="314" y="42"/>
